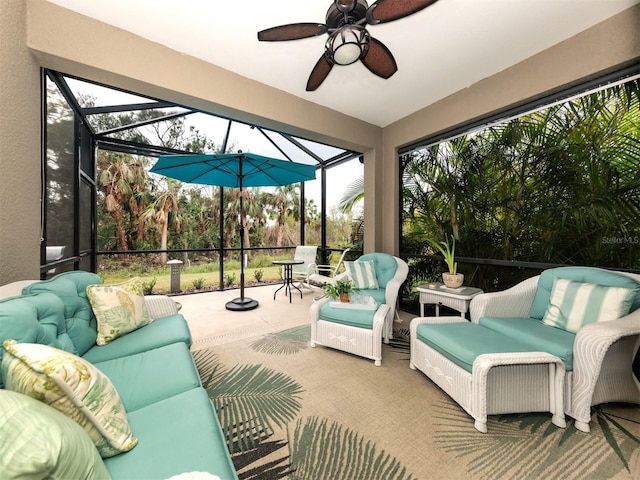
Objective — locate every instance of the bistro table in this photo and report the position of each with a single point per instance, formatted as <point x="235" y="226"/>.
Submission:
<point x="456" y="298"/>
<point x="287" y="277"/>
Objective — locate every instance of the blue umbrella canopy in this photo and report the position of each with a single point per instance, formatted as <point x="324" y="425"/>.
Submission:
<point x="236" y="170"/>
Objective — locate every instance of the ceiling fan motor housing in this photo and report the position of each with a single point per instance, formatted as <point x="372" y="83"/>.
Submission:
<point x="339" y="16"/>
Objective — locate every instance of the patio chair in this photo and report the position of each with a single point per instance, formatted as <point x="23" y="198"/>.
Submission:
<point x="326" y="273"/>
<point x="301" y="272"/>
<point x="362" y="331"/>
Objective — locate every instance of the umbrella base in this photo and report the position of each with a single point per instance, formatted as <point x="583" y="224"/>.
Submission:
<point x="241" y="304"/>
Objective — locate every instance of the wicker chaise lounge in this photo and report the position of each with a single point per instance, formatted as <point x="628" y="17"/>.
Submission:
<point x="597" y="354"/>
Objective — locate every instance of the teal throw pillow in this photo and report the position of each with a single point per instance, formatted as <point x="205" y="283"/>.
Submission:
<point x="363" y="274"/>
<point x="575" y="304"/>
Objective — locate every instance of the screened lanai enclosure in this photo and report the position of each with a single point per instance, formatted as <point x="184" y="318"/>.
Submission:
<point x="552" y="182"/>
<point x="104" y="210"/>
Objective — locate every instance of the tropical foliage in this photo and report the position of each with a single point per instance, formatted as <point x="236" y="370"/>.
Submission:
<point x="559" y="186"/>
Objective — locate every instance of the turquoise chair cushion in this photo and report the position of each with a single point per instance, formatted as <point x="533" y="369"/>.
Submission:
<point x="463" y="342"/>
<point x="176" y="435"/>
<point x="385" y="265"/>
<point x="598" y="276"/>
<point x="162" y="331"/>
<point x="378" y="294"/>
<point x="71" y="288"/>
<point x="539" y="337"/>
<point x="148" y="377"/>
<point x="347" y="316"/>
<point x="34" y="319"/>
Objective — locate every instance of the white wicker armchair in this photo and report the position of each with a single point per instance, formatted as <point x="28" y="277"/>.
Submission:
<point x="602" y="352"/>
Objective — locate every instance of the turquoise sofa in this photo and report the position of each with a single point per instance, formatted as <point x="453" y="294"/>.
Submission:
<point x="152" y="369"/>
<point x="569" y="326"/>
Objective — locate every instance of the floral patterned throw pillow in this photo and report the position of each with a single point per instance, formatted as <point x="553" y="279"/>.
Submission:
<point x="118" y="308"/>
<point x="72" y="386"/>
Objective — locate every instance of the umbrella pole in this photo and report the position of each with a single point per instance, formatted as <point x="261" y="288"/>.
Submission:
<point x="241" y="303"/>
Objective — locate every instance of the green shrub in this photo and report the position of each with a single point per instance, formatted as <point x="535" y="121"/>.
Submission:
<point x="258" y="274"/>
<point x="147" y="287"/>
<point x="198" y="283"/>
<point x="229" y="278"/>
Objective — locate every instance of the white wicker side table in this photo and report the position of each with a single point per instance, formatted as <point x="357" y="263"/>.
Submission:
<point x="456" y="298"/>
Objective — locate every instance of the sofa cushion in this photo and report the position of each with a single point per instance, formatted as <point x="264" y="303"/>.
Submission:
<point x="40" y="442"/>
<point x="351" y="317"/>
<point x="162" y="331"/>
<point x="74" y="387"/>
<point x="385" y="264"/>
<point x="463" y="342"/>
<point x="363" y="274"/>
<point x="539" y="337"/>
<point x="118" y="308"/>
<point x="575" y="304"/>
<point x="34" y="319"/>
<point x="71" y="288"/>
<point x="598" y="276"/>
<point x="147" y="377"/>
<point x="177" y="435"/>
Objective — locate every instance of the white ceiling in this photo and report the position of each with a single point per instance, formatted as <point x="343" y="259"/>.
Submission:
<point x="442" y="49"/>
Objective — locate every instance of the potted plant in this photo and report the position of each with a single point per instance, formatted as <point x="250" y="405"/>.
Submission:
<point x="451" y="279"/>
<point x="340" y="289"/>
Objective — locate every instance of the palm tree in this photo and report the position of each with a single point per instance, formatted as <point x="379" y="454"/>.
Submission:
<point x="163" y="210"/>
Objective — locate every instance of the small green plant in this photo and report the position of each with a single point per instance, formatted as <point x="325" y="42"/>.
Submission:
<point x="147" y="287"/>
<point x="447" y="251"/>
<point x="198" y="283"/>
<point x="229" y="278"/>
<point x="258" y="274"/>
<point x="334" y="290"/>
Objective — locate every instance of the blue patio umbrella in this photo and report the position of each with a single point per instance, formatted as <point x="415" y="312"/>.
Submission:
<point x="235" y="170"/>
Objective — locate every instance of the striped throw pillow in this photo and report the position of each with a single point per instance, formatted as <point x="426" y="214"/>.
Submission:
<point x="575" y="304"/>
<point x="363" y="274"/>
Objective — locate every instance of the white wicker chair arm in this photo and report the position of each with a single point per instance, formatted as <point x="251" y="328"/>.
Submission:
<point x="592" y="343"/>
<point x="160" y="306"/>
<point x="433" y="320"/>
<point x="513" y="302"/>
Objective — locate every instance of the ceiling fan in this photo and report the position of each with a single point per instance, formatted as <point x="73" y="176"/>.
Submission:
<point x="349" y="40"/>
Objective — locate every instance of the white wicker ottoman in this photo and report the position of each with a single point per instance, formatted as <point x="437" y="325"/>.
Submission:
<point x="357" y="332"/>
<point x="500" y="382"/>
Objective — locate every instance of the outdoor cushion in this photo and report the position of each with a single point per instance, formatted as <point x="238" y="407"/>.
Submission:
<point x="34" y="319"/>
<point x="362" y="273"/>
<point x="347" y="316"/>
<point x="119" y="309"/>
<point x="598" y="276"/>
<point x="74" y="387"/>
<point x="378" y="295"/>
<point x="40" y="442"/>
<point x="575" y="304"/>
<point x="539" y="337"/>
<point x="188" y="439"/>
<point x="71" y="288"/>
<point x="162" y="331"/>
<point x="385" y="265"/>
<point x="463" y="342"/>
<point x="148" y="377"/>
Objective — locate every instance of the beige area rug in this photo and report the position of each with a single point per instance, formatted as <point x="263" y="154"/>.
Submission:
<point x="300" y="413"/>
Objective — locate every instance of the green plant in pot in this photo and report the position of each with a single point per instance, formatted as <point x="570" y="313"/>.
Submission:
<point x="340" y="289"/>
<point x="452" y="278"/>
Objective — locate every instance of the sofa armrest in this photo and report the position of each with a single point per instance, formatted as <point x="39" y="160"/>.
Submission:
<point x="514" y="302"/>
<point x="160" y="306"/>
<point x="592" y="343"/>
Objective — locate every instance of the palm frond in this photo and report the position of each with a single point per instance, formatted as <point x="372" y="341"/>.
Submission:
<point x="286" y="342"/>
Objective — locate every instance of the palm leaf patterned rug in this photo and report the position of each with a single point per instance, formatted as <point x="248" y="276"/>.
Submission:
<point x="299" y="413"/>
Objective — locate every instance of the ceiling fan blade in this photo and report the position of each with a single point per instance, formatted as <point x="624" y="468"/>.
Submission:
<point x="388" y="10"/>
<point x="379" y="59"/>
<point x="293" y="31"/>
<point x="319" y="73"/>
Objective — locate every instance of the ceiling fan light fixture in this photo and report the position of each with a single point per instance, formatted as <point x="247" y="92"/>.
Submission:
<point x="347" y="44"/>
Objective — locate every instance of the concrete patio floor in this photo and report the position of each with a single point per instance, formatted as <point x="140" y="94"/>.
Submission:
<point x="212" y="324"/>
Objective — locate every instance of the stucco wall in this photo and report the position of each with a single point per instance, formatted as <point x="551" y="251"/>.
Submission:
<point x="19" y="149"/>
